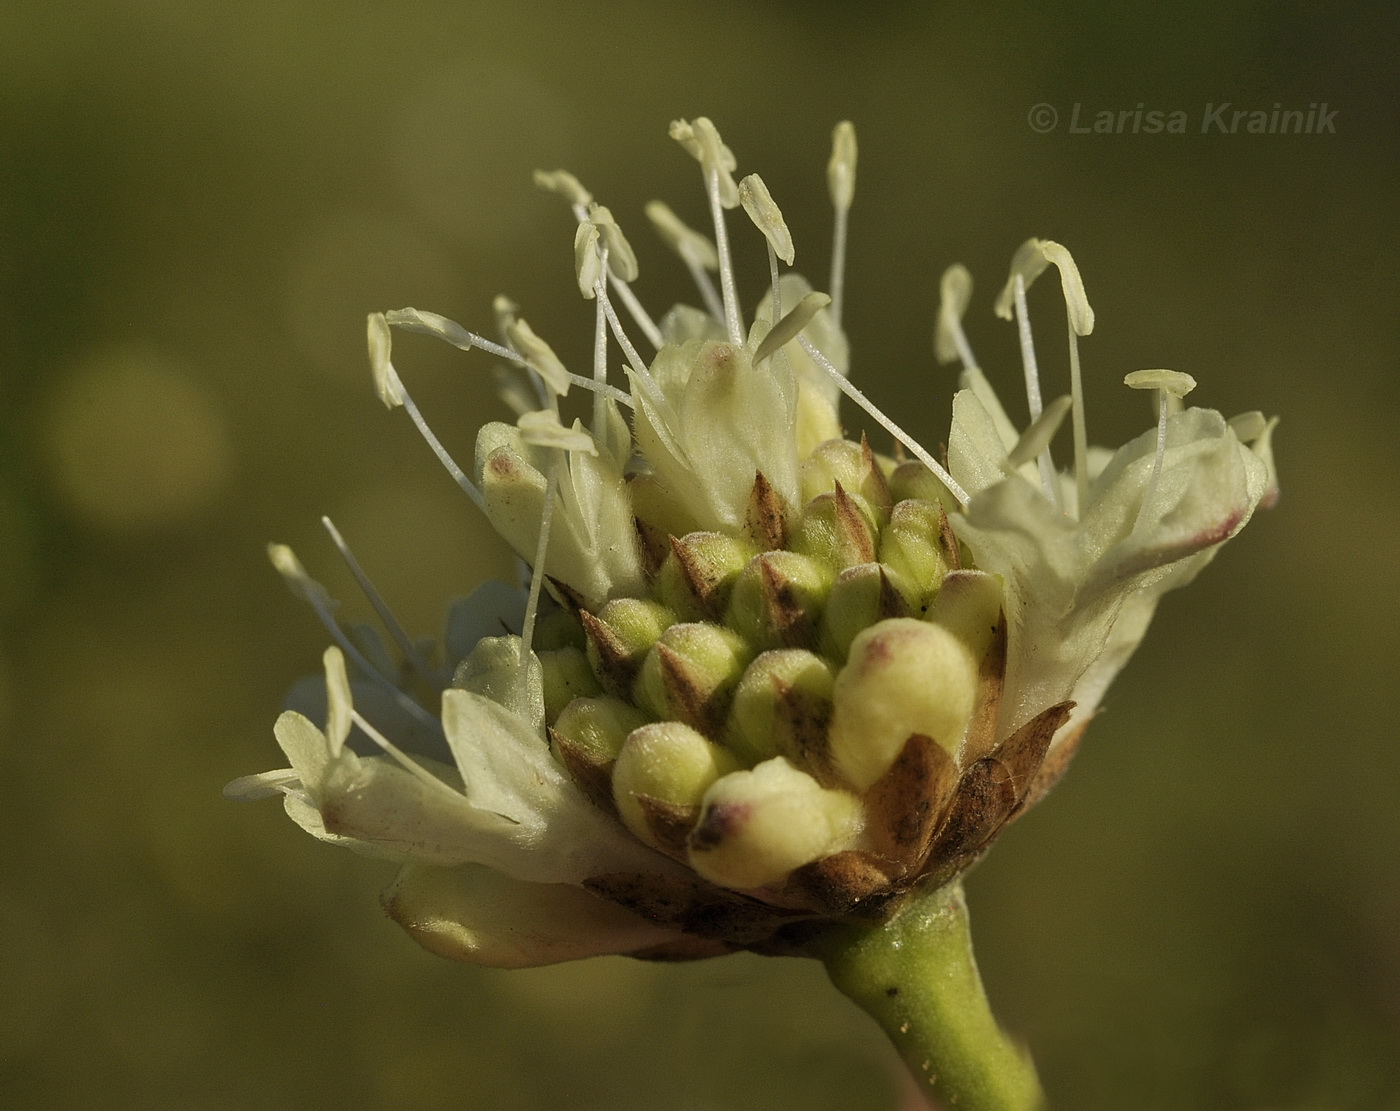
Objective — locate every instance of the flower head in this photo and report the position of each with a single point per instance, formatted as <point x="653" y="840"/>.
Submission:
<point x="762" y="676"/>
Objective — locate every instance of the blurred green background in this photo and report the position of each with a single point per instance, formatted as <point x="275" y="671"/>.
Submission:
<point x="199" y="202"/>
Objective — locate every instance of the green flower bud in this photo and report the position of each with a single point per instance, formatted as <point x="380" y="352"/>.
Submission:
<point x="782" y="707"/>
<point x="620" y="637"/>
<point x="837" y="529"/>
<point x="777" y="598"/>
<point x="853" y="466"/>
<point x="661" y="775"/>
<point x="912" y="480"/>
<point x="690" y="673"/>
<point x="909" y="545"/>
<point x="596" y="727"/>
<point x="860" y="597"/>
<point x="969" y="607"/>
<point x="696" y="578"/>
<point x="757" y="826"/>
<point x="903" y="677"/>
<point x="567" y="676"/>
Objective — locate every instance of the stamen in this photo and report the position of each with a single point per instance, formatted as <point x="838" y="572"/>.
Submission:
<point x="789" y="327"/>
<point x="386" y="615"/>
<point x="1168" y="384"/>
<point x="623" y="269"/>
<point x="1037" y="437"/>
<point x="1080" y="318"/>
<point x="954" y="295"/>
<point x="315" y="595"/>
<point x="391" y="391"/>
<point x="841" y="181"/>
<point x="1023" y="325"/>
<point x="767" y="217"/>
<point x="732" y="321"/>
<point x="696" y="251"/>
<point x="850" y="390"/>
<point x="702" y="142"/>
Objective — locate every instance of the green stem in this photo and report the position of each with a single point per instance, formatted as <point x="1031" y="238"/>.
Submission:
<point x="916" y="976"/>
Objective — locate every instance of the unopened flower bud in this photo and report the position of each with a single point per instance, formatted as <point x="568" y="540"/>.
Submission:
<point x="782" y="707"/>
<point x="777" y="598"/>
<point x="861" y="596"/>
<point x="567" y="676"/>
<point x="909" y="545"/>
<point x="912" y="480"/>
<point x="690" y="673"/>
<point x="587" y="736"/>
<point x="620" y="636"/>
<point x="757" y="826"/>
<point x="903" y="677"/>
<point x="696" y="579"/>
<point x="661" y="775"/>
<point x="853" y="466"/>
<point x="836" y="529"/>
<point x="969" y="606"/>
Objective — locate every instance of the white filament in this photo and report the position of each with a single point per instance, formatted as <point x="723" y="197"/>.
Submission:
<point x="732" y="322"/>
<point x="888" y="425"/>
<point x="838" y="262"/>
<point x="1023" y="328"/>
<point x="381" y="607"/>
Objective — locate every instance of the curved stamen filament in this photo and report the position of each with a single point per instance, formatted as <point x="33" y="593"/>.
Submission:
<point x="315" y="595"/>
<point x="381" y="607"/>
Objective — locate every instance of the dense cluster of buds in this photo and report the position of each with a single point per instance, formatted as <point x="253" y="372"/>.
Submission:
<point x="762" y="676"/>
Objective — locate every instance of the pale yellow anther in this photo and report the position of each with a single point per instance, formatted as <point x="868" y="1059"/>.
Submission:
<point x="294" y="575"/>
<point x="588" y="264"/>
<point x="767" y="217"/>
<point x="386" y="379"/>
<point x="563" y="184"/>
<point x="542" y="428"/>
<point x="1081" y="315"/>
<point x="684" y="240"/>
<point x="954" y="295"/>
<point x="791" y="325"/>
<point x="339" y="705"/>
<point x="1173" y="382"/>
<point x="1029" y="262"/>
<point x="505" y="311"/>
<point x="1037" y="437"/>
<point x="541" y="357"/>
<point x="841" y="170"/>
<point x="702" y="142"/>
<point x="622" y="260"/>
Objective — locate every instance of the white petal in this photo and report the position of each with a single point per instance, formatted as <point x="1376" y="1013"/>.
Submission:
<point x="482" y="917"/>
<point x="508" y="769"/>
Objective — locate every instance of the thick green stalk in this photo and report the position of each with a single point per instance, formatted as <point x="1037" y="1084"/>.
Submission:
<point x="916" y="976"/>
